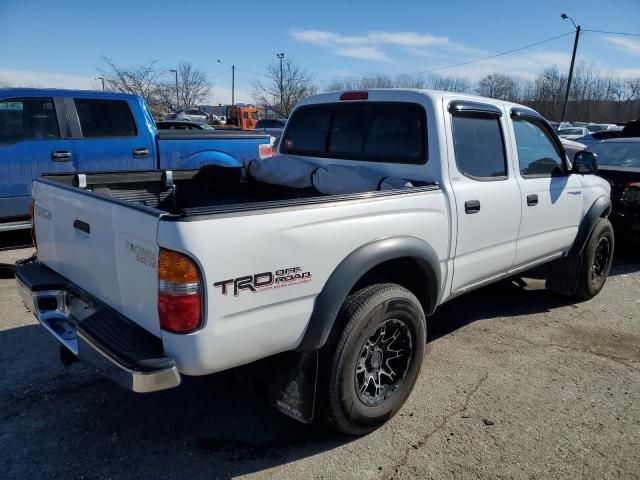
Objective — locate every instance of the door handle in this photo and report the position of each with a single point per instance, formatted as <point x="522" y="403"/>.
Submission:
<point x="82" y="226"/>
<point x="140" y="152"/>
<point x="532" y="200"/>
<point x="472" y="206"/>
<point x="61" y="156"/>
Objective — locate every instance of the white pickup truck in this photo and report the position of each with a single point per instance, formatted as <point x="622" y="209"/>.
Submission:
<point x="155" y="275"/>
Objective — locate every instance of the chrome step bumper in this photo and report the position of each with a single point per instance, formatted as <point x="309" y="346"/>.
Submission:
<point x="95" y="333"/>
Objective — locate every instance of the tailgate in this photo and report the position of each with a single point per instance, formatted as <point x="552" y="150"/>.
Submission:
<point x="104" y="246"/>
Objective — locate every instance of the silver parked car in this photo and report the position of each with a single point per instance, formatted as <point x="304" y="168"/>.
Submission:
<point x="188" y="116"/>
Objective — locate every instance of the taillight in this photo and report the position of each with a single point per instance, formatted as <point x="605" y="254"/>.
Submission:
<point x="32" y="215"/>
<point x="354" y="96"/>
<point x="265" y="150"/>
<point x="631" y="193"/>
<point x="179" y="293"/>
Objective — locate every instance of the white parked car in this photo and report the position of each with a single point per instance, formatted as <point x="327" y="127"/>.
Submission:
<point x="328" y="260"/>
<point x="571" y="133"/>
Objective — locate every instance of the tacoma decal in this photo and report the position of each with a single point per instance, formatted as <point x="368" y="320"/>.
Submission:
<point x="43" y="213"/>
<point x="143" y="255"/>
<point x="258" y="282"/>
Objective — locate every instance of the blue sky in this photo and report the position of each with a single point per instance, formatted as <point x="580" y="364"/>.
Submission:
<point x="59" y="43"/>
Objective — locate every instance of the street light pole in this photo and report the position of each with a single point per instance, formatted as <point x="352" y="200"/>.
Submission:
<point x="281" y="57"/>
<point x="564" y="16"/>
<point x="101" y="78"/>
<point x="177" y="94"/>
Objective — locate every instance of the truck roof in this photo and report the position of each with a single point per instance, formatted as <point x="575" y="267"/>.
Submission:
<point x="403" y="94"/>
<point x="30" y="92"/>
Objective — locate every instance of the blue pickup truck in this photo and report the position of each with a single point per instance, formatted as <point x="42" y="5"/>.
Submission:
<point x="73" y="131"/>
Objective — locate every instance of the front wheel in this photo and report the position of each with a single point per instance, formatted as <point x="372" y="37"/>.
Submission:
<point x="597" y="260"/>
<point x="372" y="358"/>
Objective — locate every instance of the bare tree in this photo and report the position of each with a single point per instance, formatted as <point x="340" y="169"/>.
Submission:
<point x="140" y="80"/>
<point x="150" y="82"/>
<point x="374" y="80"/>
<point x="410" y="81"/>
<point x="193" y="85"/>
<point x="281" y="92"/>
<point x="633" y="87"/>
<point x="498" y="85"/>
<point x="381" y="80"/>
<point x="449" y="84"/>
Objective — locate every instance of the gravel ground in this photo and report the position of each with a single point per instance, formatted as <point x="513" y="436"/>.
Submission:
<point x="517" y="383"/>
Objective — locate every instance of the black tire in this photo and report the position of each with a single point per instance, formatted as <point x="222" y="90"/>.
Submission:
<point x="350" y="397"/>
<point x="596" y="261"/>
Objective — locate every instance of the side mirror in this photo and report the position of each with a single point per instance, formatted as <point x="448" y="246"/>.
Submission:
<point x="585" y="162"/>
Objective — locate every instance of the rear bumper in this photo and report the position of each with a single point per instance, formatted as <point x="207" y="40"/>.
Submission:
<point x="94" y="332"/>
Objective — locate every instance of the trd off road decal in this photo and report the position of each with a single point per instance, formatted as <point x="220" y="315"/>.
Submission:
<point x="259" y="282"/>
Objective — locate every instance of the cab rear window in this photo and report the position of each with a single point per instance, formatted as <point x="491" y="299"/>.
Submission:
<point x="381" y="132"/>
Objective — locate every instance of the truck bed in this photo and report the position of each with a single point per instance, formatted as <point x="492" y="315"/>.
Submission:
<point x="209" y="190"/>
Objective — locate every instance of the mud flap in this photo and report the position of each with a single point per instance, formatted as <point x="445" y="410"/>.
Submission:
<point x="293" y="387"/>
<point x="563" y="275"/>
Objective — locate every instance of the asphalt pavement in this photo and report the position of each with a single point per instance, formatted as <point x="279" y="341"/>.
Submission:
<point x="517" y="383"/>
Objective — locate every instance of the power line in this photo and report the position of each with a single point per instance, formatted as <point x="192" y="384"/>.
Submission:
<point x="468" y="62"/>
<point x="612" y="33"/>
<point x="252" y="72"/>
<point x="219" y="74"/>
<point x="491" y="56"/>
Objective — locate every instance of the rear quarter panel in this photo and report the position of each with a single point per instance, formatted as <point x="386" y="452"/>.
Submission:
<point x="245" y="327"/>
<point x="196" y="152"/>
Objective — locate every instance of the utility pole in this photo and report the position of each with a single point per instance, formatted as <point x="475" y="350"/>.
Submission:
<point x="101" y="78"/>
<point x="281" y="57"/>
<point x="233" y="84"/>
<point x="177" y="94"/>
<point x="564" y="16"/>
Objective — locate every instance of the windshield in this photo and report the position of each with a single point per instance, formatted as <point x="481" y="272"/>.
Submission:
<point x="618" y="154"/>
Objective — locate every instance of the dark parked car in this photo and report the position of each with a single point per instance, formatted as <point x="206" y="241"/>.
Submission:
<point x="181" y="125"/>
<point x="631" y="129"/>
<point x="272" y="126"/>
<point x="595" y="137"/>
<point x="619" y="163"/>
<point x="271" y="123"/>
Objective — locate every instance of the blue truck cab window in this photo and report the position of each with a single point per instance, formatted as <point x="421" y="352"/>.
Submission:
<point x="27" y="119"/>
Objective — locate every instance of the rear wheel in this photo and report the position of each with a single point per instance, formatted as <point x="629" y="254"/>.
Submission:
<point x="597" y="260"/>
<point x="372" y="358"/>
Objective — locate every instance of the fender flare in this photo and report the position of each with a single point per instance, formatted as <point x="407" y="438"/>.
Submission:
<point x="563" y="276"/>
<point x="353" y="267"/>
<point x="600" y="208"/>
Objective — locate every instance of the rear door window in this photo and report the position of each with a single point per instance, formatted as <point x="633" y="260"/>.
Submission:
<point x="381" y="131"/>
<point x="28" y="119"/>
<point x="105" y="118"/>
<point x="479" y="147"/>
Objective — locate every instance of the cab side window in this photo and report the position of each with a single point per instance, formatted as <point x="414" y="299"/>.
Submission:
<point x="538" y="154"/>
<point x="28" y="119"/>
<point x="105" y="118"/>
<point x="479" y="147"/>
